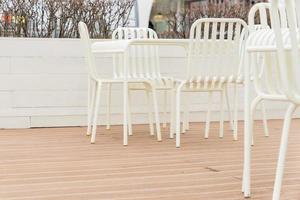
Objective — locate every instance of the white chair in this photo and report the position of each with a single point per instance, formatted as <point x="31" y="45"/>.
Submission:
<point x="213" y="62"/>
<point x="259" y="16"/>
<point x="259" y="19"/>
<point x="287" y="44"/>
<point x="261" y="9"/>
<point x="144" y="63"/>
<point x="96" y="82"/>
<point x="280" y="51"/>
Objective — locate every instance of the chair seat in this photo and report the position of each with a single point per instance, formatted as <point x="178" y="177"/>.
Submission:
<point x="212" y="82"/>
<point x="160" y="83"/>
<point x="264" y="40"/>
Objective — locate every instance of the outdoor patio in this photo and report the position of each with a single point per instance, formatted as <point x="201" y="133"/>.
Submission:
<point x="144" y="99"/>
<point x="60" y="163"/>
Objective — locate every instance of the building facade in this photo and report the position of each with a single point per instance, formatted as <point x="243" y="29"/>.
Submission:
<point x="159" y="8"/>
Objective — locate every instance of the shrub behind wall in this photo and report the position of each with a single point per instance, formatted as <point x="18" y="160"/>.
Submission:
<point x="59" y="18"/>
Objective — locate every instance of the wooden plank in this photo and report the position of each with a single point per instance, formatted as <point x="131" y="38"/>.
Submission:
<point x="60" y="163"/>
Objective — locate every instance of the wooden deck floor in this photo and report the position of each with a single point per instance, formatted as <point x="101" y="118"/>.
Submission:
<point x="59" y="163"/>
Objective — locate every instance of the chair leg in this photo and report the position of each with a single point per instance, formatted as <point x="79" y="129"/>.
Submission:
<point x="91" y="102"/>
<point x="207" y="126"/>
<point x="96" y="111"/>
<point x="172" y="113"/>
<point x="129" y="114"/>
<point x="229" y="109"/>
<point x="265" y="121"/>
<point x="187" y="126"/>
<point x="177" y="123"/>
<point x="108" y="107"/>
<point x="165" y="109"/>
<point x="125" y="113"/>
<point x="156" y="112"/>
<point x="184" y="121"/>
<point x="282" y="152"/>
<point x="221" y="130"/>
<point x="236" y="110"/>
<point x="150" y="113"/>
<point x="254" y="104"/>
<point x="246" y="179"/>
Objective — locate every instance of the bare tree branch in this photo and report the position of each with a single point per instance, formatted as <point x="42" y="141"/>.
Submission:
<point x="59" y="18"/>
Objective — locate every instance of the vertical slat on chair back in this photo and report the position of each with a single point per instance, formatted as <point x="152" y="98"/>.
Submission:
<point x="143" y="59"/>
<point x="214" y="49"/>
<point x="289" y="62"/>
<point x="89" y="57"/>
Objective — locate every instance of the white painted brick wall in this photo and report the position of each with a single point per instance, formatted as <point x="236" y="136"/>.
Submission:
<point x="43" y="83"/>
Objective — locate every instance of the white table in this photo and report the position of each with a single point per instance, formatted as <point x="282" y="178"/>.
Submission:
<point x="116" y="46"/>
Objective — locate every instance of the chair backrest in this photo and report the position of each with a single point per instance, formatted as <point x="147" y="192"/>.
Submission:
<point x="143" y="59"/>
<point x="259" y="16"/>
<point x="264" y="68"/>
<point x="89" y="57"/>
<point x="289" y="62"/>
<point x="215" y="47"/>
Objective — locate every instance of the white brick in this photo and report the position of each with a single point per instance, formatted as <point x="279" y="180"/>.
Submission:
<point x="6" y="99"/>
<point x="27" y="99"/>
<point x="14" y="122"/>
<point x="47" y="82"/>
<point x="5" y="67"/>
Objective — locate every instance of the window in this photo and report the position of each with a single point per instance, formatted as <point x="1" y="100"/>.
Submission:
<point x="173" y="18"/>
<point x="160" y="11"/>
